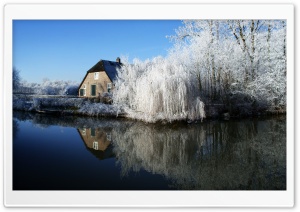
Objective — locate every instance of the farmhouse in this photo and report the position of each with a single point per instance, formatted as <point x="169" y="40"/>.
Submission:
<point x="99" y="79"/>
<point x="98" y="141"/>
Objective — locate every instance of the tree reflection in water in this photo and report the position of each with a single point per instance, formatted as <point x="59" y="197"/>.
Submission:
<point x="213" y="155"/>
<point x="248" y="154"/>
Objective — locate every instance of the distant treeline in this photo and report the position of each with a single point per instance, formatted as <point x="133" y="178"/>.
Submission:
<point x="47" y="87"/>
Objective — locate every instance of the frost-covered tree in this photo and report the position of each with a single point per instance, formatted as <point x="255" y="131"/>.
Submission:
<point x="16" y="79"/>
<point x="160" y="89"/>
<point x="240" y="64"/>
<point x="48" y="87"/>
<point x="245" y="34"/>
<point x="230" y="57"/>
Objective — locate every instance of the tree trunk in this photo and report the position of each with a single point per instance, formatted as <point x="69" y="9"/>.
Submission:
<point x="252" y="49"/>
<point x="284" y="45"/>
<point x="212" y="62"/>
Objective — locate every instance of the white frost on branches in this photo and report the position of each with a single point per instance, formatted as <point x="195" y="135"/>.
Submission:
<point x="160" y="89"/>
<point x="241" y="63"/>
<point x="48" y="87"/>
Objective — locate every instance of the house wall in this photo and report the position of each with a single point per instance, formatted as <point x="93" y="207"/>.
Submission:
<point x="101" y="84"/>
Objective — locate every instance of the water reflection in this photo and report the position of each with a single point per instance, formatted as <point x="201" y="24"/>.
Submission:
<point x="97" y="141"/>
<point x="213" y="155"/>
<point x="15" y="128"/>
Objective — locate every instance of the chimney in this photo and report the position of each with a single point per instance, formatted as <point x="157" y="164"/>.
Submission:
<point x="118" y="60"/>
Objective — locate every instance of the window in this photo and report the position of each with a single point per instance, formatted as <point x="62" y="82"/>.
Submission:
<point x="83" y="131"/>
<point x="83" y="91"/>
<point x="108" y="136"/>
<point x="95" y="145"/>
<point x="108" y="87"/>
<point x="96" y="75"/>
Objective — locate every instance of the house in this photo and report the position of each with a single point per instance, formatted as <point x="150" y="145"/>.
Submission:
<point x="98" y="141"/>
<point x="99" y="79"/>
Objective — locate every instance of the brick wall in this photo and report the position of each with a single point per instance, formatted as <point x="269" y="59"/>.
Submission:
<point x="101" y="83"/>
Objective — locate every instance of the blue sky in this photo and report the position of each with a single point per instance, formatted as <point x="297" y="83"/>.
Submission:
<point x="66" y="49"/>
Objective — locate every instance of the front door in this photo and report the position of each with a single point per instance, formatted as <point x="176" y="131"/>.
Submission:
<point x="93" y="90"/>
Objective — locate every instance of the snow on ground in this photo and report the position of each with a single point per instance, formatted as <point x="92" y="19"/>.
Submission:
<point x="79" y="106"/>
<point x="96" y="109"/>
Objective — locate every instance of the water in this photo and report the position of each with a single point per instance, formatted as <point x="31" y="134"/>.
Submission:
<point x="78" y="153"/>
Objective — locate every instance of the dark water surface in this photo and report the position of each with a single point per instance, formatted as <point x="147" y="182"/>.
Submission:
<point x="76" y="153"/>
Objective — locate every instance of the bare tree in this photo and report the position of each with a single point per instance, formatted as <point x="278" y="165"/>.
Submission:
<point x="16" y="79"/>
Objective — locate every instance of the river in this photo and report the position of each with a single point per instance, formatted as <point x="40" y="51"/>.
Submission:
<point x="80" y="153"/>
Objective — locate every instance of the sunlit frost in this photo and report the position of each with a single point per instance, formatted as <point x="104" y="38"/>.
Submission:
<point x="158" y="90"/>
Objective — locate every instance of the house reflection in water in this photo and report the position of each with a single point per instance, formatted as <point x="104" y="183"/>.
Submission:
<point x="98" y="141"/>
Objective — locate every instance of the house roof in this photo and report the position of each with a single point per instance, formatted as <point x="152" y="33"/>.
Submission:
<point x="109" y="67"/>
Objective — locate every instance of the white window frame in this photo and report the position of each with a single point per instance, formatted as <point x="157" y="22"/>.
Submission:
<point x="108" y="136"/>
<point x="96" y="75"/>
<point x="109" y="86"/>
<point x="83" y="131"/>
<point x="84" y="90"/>
<point x="95" y="145"/>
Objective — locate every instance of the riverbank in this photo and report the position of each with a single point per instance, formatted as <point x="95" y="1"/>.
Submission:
<point x="57" y="105"/>
<point x="217" y="111"/>
<point x="69" y="106"/>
